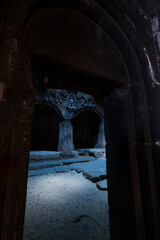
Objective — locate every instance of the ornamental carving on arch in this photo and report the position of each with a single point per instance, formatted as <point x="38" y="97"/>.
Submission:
<point x="68" y="103"/>
<point x="73" y="102"/>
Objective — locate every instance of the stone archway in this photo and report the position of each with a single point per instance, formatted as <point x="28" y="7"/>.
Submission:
<point x="132" y="152"/>
<point x="69" y="105"/>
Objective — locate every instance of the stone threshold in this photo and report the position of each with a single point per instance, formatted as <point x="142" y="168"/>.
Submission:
<point x="59" y="155"/>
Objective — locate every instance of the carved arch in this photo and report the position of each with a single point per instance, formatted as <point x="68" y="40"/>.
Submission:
<point x="52" y="106"/>
<point x="96" y="110"/>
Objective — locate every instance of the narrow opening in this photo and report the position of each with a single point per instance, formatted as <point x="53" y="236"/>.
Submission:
<point x="67" y="185"/>
<point x="72" y="60"/>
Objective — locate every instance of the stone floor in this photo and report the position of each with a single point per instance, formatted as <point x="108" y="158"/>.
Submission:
<point x="67" y="201"/>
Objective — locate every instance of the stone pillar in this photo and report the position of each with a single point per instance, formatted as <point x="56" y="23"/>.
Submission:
<point x="65" y="136"/>
<point x="101" y="142"/>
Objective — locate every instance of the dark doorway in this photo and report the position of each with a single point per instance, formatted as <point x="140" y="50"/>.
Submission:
<point x="85" y="129"/>
<point x="45" y="128"/>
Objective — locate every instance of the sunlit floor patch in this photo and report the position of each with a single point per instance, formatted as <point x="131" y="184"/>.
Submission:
<point x="55" y="202"/>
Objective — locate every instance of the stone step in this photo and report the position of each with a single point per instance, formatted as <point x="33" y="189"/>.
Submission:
<point x="78" y="160"/>
<point x="87" y="165"/>
<point x="42" y="156"/>
<point x="95" y="152"/>
<point x="40" y="171"/>
<point x="61" y="169"/>
<point x="102" y="185"/>
<point x="33" y="165"/>
<point x="56" y="155"/>
<point x="44" y="164"/>
<point x="51" y="155"/>
<point x="43" y="171"/>
<point x="95" y="175"/>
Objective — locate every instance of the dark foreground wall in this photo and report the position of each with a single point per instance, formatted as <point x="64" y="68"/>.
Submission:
<point x="132" y="116"/>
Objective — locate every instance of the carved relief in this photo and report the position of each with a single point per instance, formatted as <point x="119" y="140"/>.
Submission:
<point x="72" y="102"/>
<point x="68" y="103"/>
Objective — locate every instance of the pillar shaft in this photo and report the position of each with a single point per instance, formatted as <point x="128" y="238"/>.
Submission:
<point x="101" y="143"/>
<point x="66" y="136"/>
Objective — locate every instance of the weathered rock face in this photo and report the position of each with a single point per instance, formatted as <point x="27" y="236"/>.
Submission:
<point x="114" y="45"/>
